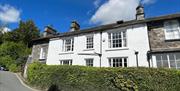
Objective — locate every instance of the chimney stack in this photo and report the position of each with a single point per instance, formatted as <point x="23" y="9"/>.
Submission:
<point x="140" y="12"/>
<point x="48" y="31"/>
<point x="74" y="26"/>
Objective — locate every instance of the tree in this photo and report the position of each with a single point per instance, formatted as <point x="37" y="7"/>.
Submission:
<point x="14" y="45"/>
<point x="25" y="32"/>
<point x="14" y="50"/>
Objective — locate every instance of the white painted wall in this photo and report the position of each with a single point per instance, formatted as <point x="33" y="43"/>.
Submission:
<point x="137" y="40"/>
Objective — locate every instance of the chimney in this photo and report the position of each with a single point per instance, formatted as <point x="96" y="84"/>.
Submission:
<point x="74" y="26"/>
<point x="49" y="30"/>
<point x="140" y="12"/>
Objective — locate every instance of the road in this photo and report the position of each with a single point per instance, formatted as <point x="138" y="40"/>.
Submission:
<point x="10" y="82"/>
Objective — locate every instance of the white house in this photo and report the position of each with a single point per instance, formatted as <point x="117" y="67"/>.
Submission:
<point x="145" y="42"/>
<point x="122" y="44"/>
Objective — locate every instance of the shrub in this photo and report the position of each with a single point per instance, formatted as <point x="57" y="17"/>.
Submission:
<point x="14" y="68"/>
<point x="13" y="55"/>
<point x="6" y="61"/>
<point x="79" y="78"/>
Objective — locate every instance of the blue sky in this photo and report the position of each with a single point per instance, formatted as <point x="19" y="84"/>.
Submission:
<point x="88" y="13"/>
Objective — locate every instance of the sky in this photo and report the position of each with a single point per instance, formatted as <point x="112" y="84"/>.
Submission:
<point x="89" y="13"/>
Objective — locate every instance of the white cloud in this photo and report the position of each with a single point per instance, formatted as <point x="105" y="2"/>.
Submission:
<point x="9" y="14"/>
<point x="148" y="1"/>
<point x="114" y="10"/>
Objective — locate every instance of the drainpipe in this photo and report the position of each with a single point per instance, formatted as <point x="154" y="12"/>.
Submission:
<point x="136" y="53"/>
<point x="100" y="55"/>
<point x="148" y="58"/>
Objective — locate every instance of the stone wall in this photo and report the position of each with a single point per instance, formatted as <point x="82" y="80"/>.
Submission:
<point x="157" y="38"/>
<point x="36" y="51"/>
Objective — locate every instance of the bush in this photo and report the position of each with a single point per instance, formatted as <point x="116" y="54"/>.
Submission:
<point x="6" y="61"/>
<point x="13" y="55"/>
<point x="14" y="68"/>
<point x="79" y="78"/>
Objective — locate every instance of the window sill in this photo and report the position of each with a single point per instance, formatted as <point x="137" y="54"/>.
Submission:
<point x="42" y="58"/>
<point x="116" y="49"/>
<point x="171" y="40"/>
<point x="88" y="49"/>
<point x="62" y="53"/>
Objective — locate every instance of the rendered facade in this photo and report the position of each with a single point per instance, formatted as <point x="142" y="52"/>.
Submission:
<point x="145" y="42"/>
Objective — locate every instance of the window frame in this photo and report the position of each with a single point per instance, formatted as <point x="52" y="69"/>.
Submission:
<point x="168" y="55"/>
<point x="170" y="32"/>
<point x="90" y="44"/>
<point x="70" y="45"/>
<point x="67" y="60"/>
<point x="91" y="62"/>
<point x="42" y="54"/>
<point x="114" y="41"/>
<point x="112" y="60"/>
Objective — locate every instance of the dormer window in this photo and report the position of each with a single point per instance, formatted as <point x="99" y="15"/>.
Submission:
<point x="172" y="29"/>
<point x="68" y="45"/>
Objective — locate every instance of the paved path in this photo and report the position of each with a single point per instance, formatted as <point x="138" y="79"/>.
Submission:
<point x="10" y="82"/>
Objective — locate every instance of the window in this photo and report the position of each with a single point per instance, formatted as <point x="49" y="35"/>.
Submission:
<point x="89" y="42"/>
<point x="172" y="29"/>
<point x="89" y="62"/>
<point x="171" y="60"/>
<point x="42" y="53"/>
<point x="118" y="62"/>
<point x="117" y="40"/>
<point x="66" y="62"/>
<point x="68" y="45"/>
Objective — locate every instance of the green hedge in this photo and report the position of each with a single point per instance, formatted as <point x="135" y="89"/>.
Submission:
<point x="79" y="78"/>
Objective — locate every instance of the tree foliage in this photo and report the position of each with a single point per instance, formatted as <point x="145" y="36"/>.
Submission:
<point x="25" y="33"/>
<point x="13" y="55"/>
<point x="14" y="48"/>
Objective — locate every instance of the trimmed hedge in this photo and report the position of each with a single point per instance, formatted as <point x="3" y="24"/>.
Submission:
<point x="80" y="78"/>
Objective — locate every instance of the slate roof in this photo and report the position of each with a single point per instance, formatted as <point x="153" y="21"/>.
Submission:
<point x="118" y="24"/>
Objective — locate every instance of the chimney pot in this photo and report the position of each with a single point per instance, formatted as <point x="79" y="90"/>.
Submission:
<point x="49" y="30"/>
<point x="75" y="26"/>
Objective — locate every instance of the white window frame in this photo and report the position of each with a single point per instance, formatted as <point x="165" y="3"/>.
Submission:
<point x="71" y="45"/>
<point x="123" y="61"/>
<point x="168" y="59"/>
<point x="89" y="62"/>
<point x="42" y="53"/>
<point x="62" y="62"/>
<point x="123" y="39"/>
<point x="89" y="42"/>
<point x="172" y="33"/>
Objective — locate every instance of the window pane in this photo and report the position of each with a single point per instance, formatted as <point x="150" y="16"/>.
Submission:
<point x="165" y="60"/>
<point x="68" y="45"/>
<point x="66" y="62"/>
<point x="118" y="62"/>
<point x="109" y="41"/>
<point x="42" y="54"/>
<point x="125" y="62"/>
<point x="178" y="60"/>
<point x="172" y="61"/>
<point x="124" y="39"/>
<point x="117" y="40"/>
<point x="158" y="61"/>
<point x="114" y="62"/>
<point x="172" y="29"/>
<point x="110" y="65"/>
<point x="89" y="62"/>
<point x="89" y="42"/>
